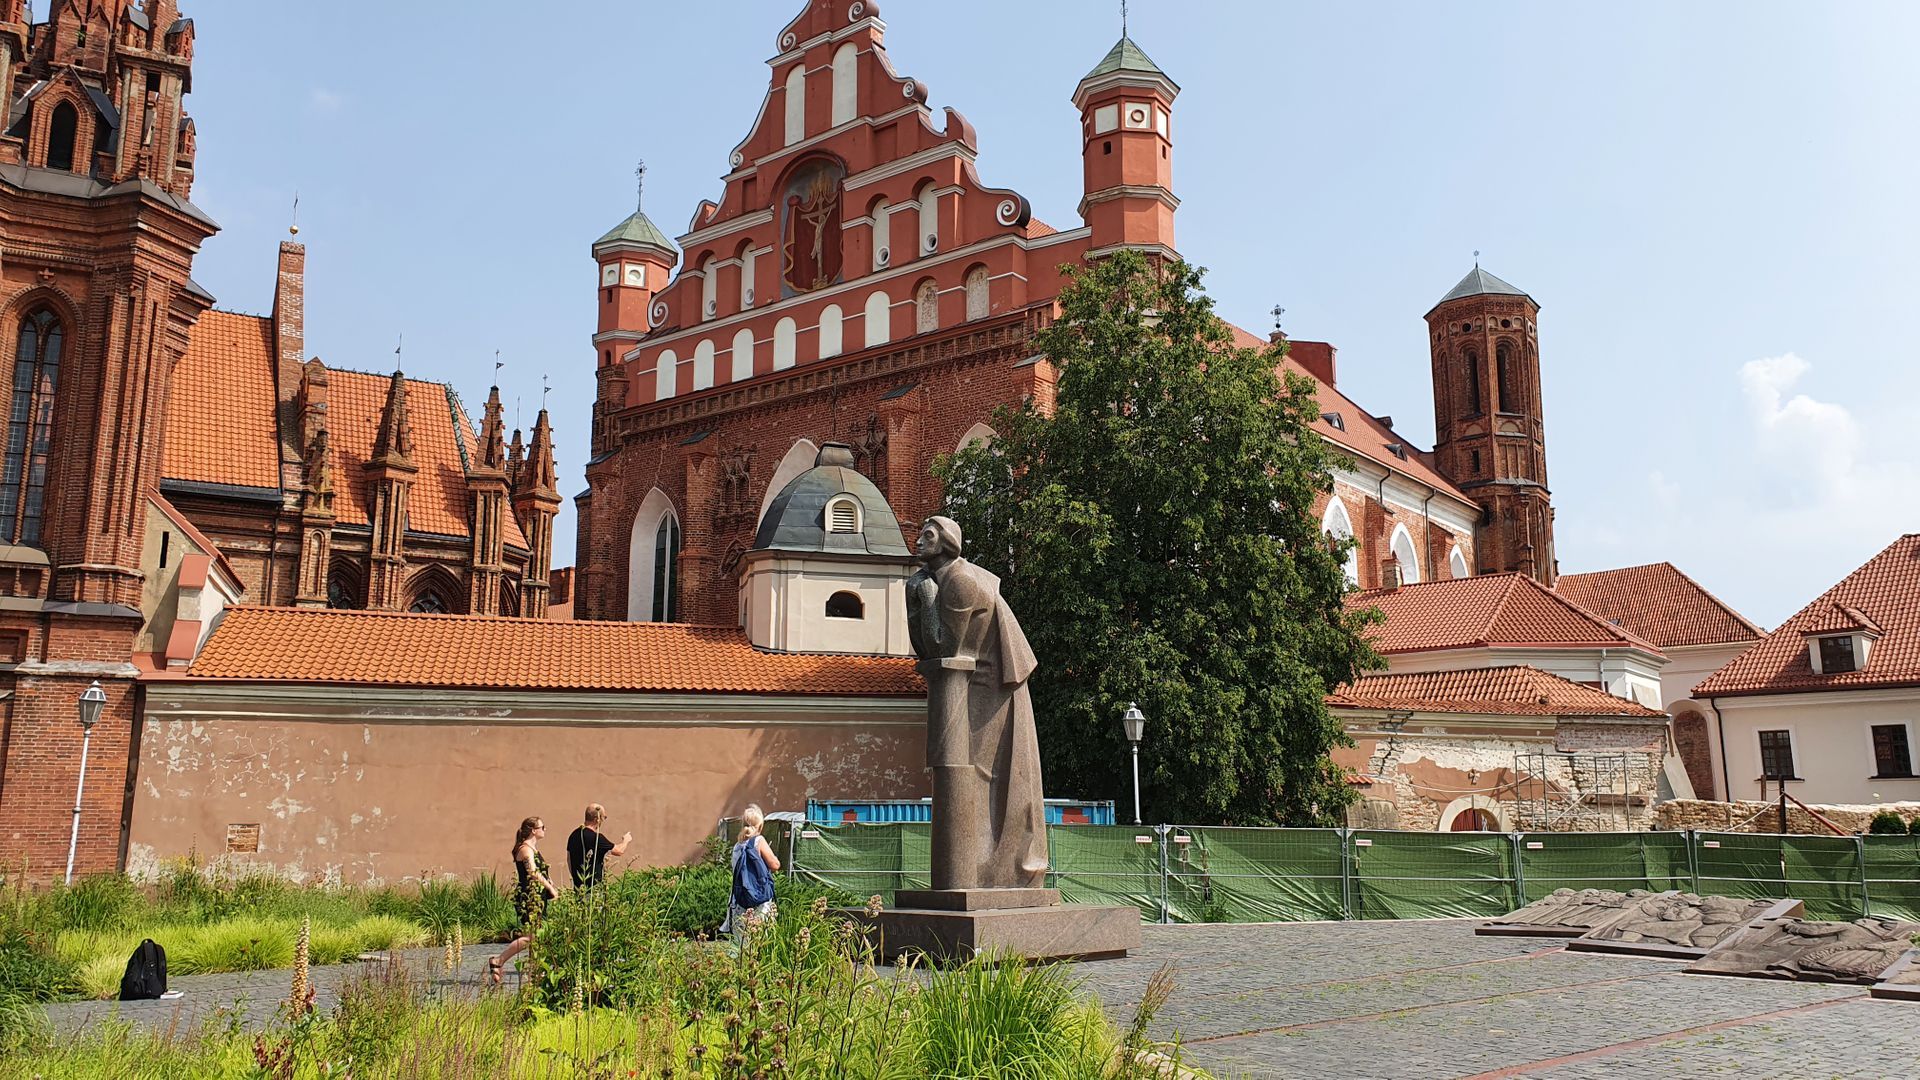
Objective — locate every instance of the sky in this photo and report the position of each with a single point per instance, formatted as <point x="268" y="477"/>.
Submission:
<point x="1714" y="202"/>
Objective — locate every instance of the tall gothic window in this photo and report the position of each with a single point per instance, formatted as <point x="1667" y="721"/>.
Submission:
<point x="62" y="131"/>
<point x="23" y="475"/>
<point x="666" y="571"/>
<point x="1476" y="395"/>
<point x="1509" y="392"/>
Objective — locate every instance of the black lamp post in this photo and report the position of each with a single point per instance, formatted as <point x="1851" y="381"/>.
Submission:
<point x="1135" y="725"/>
<point x="91" y="703"/>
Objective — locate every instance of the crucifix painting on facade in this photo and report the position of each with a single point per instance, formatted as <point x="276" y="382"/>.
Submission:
<point x="810" y="231"/>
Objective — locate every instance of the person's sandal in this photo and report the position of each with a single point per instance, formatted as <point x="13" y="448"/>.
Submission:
<point x="495" y="970"/>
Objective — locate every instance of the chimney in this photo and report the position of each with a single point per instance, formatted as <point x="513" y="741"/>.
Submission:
<point x="290" y="318"/>
<point x="1389" y="573"/>
<point x="1316" y="358"/>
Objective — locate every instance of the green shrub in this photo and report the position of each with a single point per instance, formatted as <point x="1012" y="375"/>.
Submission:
<point x="1913" y="826"/>
<point x="97" y="902"/>
<point x="486" y="913"/>
<point x="1001" y="1019"/>
<point x="438" y="907"/>
<point x="239" y="944"/>
<point x="30" y="969"/>
<point x="1886" y="823"/>
<point x="384" y="933"/>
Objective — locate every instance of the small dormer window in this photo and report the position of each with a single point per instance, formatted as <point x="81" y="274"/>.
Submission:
<point x="1836" y="655"/>
<point x="843" y="515"/>
<point x="1335" y="420"/>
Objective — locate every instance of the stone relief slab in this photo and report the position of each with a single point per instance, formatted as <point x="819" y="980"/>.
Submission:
<point x="1860" y="951"/>
<point x="1563" y="913"/>
<point x="1901" y="982"/>
<point x="1678" y="925"/>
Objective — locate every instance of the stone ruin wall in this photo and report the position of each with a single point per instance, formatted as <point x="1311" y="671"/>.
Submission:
<point x="1764" y="817"/>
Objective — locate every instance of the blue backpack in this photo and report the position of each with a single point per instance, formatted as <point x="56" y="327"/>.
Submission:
<point x="752" y="881"/>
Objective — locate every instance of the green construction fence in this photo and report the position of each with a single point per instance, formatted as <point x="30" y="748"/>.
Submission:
<point x="1218" y="874"/>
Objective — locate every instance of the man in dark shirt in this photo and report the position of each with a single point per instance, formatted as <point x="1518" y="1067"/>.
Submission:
<point x="587" y="849"/>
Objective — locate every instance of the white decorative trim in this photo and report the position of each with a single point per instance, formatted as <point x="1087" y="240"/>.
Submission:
<point x="1007" y="212"/>
<point x="910" y="163"/>
<point x="727" y="228"/>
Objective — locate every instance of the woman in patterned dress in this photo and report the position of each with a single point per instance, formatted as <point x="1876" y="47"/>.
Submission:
<point x="530" y="896"/>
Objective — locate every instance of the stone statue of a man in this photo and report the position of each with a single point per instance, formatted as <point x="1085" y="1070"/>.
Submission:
<point x="989" y="821"/>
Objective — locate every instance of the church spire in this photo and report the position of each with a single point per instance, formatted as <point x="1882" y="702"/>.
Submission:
<point x="535" y="502"/>
<point x="493" y="453"/>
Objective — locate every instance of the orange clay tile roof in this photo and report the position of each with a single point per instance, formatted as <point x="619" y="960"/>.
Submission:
<point x="1037" y="229"/>
<point x="1364" y="436"/>
<point x="220" y="411"/>
<point x="1884" y="593"/>
<point x="443" y="438"/>
<point x="1659" y="603"/>
<point x="1489" y="611"/>
<point x="221" y="427"/>
<point x="1499" y="691"/>
<point x="394" y="649"/>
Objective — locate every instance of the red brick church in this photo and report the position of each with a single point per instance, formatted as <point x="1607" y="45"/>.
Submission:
<point x="185" y="493"/>
<point x="855" y="279"/>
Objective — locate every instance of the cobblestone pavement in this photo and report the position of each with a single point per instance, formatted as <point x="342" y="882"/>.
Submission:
<point x="249" y="999"/>
<point x="1430" y="999"/>
<point x="1400" y="1000"/>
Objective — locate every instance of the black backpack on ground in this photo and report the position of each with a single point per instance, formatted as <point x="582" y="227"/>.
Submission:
<point x="146" y="977"/>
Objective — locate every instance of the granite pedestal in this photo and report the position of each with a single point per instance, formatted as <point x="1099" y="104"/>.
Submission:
<point x="953" y="925"/>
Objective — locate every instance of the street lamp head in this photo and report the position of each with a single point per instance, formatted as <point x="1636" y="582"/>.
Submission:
<point x="91" y="702"/>
<point x="1134" y="722"/>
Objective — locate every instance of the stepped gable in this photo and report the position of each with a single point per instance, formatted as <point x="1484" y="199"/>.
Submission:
<point x="1659" y="603"/>
<point x="1489" y="611"/>
<point x="1499" y="691"/>
<point x="1881" y="598"/>
<point x="394" y="649"/>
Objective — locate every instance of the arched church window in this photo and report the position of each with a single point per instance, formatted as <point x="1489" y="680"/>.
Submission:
<point x="435" y="593"/>
<point x="1338" y="527"/>
<point x="926" y="307"/>
<point x="345" y="589"/>
<point x="977" y="298"/>
<point x="666" y="571"/>
<point x="62" y="131"/>
<point x="1509" y="392"/>
<point x="1476" y="394"/>
<point x="1405" y="555"/>
<point x="846" y="605"/>
<point x="23" y="474"/>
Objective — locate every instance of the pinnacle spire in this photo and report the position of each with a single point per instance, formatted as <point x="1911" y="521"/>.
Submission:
<point x="394" y="444"/>
<point x="493" y="453"/>
<point x="539" y="474"/>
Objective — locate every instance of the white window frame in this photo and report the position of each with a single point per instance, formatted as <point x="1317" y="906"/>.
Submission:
<point x="834" y="504"/>
<point x="1913" y="760"/>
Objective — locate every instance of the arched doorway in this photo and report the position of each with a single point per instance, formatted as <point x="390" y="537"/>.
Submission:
<point x="1475" y="819"/>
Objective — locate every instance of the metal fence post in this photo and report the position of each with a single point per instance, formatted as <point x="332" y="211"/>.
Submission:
<point x="1346" y="872"/>
<point x="1166" y="832"/>
<point x="1519" y="871"/>
<point x="1693" y="858"/>
<point x="1860" y="854"/>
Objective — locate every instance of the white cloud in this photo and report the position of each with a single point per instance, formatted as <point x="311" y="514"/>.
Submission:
<point x="1814" y="447"/>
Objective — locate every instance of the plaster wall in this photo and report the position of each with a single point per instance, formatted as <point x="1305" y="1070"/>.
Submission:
<point x="784" y="602"/>
<point x="384" y="798"/>
<point x="1832" y="743"/>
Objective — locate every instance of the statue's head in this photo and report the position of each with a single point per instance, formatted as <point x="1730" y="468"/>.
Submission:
<point x="939" y="538"/>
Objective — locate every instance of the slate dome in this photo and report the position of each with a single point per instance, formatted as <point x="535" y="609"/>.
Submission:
<point x="796" y="520"/>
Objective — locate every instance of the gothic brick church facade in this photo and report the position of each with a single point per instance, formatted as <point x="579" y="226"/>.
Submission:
<point x="856" y="280"/>
<point x="163" y="460"/>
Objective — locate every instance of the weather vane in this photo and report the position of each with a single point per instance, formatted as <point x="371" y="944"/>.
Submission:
<point x="544" y="387"/>
<point x="640" y="194"/>
<point x="1278" y="311"/>
<point x="1123" y="18"/>
<point x="1476" y="259"/>
<point x="497" y="365"/>
<point x="293" y="227"/>
<point x="401" y="344"/>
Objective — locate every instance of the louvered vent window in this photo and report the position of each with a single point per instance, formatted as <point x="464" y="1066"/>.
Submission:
<point x="843" y="516"/>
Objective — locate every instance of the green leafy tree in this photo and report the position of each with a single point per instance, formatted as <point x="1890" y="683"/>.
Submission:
<point x="1155" y="534"/>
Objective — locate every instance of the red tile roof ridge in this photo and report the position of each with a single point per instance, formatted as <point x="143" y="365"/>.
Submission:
<point x="1597" y="583"/>
<point x="1512" y="689"/>
<point x="319" y="646"/>
<point x="1885" y="589"/>
<point x="1480" y="589"/>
